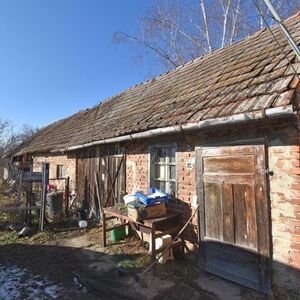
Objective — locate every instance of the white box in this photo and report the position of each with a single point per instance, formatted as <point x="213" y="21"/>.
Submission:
<point x="163" y="242"/>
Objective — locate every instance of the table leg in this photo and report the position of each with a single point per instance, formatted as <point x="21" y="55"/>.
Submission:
<point x="153" y="243"/>
<point x="153" y="247"/>
<point x="103" y="230"/>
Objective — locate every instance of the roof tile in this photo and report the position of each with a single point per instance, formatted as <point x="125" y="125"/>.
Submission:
<point x="250" y="75"/>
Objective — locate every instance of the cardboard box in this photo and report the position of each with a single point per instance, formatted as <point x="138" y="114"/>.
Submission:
<point x="141" y="212"/>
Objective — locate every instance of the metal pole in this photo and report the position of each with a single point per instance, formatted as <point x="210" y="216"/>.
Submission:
<point x="283" y="28"/>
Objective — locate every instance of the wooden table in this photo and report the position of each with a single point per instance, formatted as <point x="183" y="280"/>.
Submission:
<point x="158" y="227"/>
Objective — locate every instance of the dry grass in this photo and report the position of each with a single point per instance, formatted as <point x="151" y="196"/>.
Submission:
<point x="9" y="238"/>
<point x="6" y="199"/>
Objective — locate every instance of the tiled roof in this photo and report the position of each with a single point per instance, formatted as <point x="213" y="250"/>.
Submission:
<point x="250" y="75"/>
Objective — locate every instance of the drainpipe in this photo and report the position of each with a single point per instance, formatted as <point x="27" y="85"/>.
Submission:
<point x="283" y="28"/>
<point x="272" y="113"/>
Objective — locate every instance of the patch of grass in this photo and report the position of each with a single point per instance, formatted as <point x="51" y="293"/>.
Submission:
<point x="138" y="263"/>
<point x="114" y="249"/>
<point x="142" y="261"/>
<point x="9" y="238"/>
<point x="42" y="237"/>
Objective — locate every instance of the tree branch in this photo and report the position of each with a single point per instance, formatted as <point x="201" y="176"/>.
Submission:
<point x="148" y="45"/>
<point x="204" y="15"/>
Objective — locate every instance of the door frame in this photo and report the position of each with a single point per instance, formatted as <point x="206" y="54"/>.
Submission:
<point x="267" y="253"/>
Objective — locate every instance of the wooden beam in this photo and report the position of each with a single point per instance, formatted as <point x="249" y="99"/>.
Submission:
<point x="19" y="208"/>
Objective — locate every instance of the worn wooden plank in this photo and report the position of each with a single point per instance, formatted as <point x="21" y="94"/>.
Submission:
<point x="106" y="180"/>
<point x="240" y="214"/>
<point x="213" y="211"/>
<point x="232" y="179"/>
<point x="227" y="151"/>
<point x="262" y="204"/>
<point x="245" y="216"/>
<point x="263" y="216"/>
<point x="228" y="215"/>
<point x="123" y="177"/>
<point x="251" y="217"/>
<point x="19" y="208"/>
<point x="229" y="165"/>
<point x="200" y="198"/>
<point x="117" y="168"/>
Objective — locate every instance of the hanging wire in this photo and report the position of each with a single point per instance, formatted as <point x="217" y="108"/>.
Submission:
<point x="274" y="37"/>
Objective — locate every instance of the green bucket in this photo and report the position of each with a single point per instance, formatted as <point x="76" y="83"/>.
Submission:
<point x="118" y="234"/>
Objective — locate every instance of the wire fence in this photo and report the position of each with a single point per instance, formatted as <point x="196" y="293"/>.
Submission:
<point x="21" y="203"/>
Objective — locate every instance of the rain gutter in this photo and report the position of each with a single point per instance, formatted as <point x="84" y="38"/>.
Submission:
<point x="270" y="113"/>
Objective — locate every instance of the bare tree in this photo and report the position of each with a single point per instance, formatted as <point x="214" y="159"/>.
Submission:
<point x="26" y="132"/>
<point x="176" y="31"/>
<point x="10" y="138"/>
<point x="5" y="133"/>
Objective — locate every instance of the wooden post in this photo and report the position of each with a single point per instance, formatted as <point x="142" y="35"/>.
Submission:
<point x="45" y="181"/>
<point x="28" y="211"/>
<point x="67" y="191"/>
<point x="98" y="196"/>
<point x="103" y="229"/>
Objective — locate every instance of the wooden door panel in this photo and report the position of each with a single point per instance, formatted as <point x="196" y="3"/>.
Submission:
<point x="213" y="211"/>
<point x="227" y="151"/>
<point x="245" y="216"/>
<point x="229" y="178"/>
<point x="112" y="183"/>
<point x="250" y="202"/>
<point x="234" y="228"/>
<point x="113" y="179"/>
<point x="233" y="263"/>
<point x="228" y="213"/>
<point x="229" y="165"/>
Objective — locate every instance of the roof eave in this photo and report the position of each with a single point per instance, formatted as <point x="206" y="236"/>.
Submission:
<point x="270" y="113"/>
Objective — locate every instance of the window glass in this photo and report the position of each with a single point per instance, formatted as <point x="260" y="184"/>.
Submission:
<point x="173" y="153"/>
<point x="172" y="172"/>
<point x="60" y="171"/>
<point x="163" y="169"/>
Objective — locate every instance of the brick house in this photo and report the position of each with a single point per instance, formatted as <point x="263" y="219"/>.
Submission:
<point x="221" y="131"/>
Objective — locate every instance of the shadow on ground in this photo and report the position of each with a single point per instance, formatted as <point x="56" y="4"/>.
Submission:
<point x="98" y="272"/>
<point x="63" y="254"/>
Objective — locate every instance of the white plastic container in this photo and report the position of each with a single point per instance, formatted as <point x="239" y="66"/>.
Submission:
<point x="82" y="223"/>
<point x="129" y="198"/>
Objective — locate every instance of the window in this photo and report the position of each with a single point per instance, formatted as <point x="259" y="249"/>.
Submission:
<point x="163" y="168"/>
<point x="60" y="171"/>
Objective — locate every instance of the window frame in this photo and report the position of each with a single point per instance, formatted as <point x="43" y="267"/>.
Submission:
<point x="151" y="176"/>
<point x="58" y="175"/>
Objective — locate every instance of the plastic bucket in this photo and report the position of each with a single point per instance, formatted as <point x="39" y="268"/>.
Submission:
<point x="82" y="224"/>
<point x="118" y="234"/>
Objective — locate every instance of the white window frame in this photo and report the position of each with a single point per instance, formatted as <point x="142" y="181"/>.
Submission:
<point x="58" y="171"/>
<point x="151" y="168"/>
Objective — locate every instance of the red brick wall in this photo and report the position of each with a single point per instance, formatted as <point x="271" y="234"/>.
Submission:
<point x="186" y="187"/>
<point x="283" y="158"/>
<point x="284" y="161"/>
<point x="136" y="167"/>
<point x="137" y="177"/>
<point x="137" y="170"/>
<point x="69" y="166"/>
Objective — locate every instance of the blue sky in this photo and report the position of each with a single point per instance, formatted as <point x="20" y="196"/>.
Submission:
<point x="57" y="56"/>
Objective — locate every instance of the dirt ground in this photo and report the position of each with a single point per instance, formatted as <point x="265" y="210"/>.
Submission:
<point x="72" y="264"/>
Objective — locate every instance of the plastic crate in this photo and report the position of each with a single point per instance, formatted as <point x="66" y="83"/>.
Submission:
<point x="153" y="197"/>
